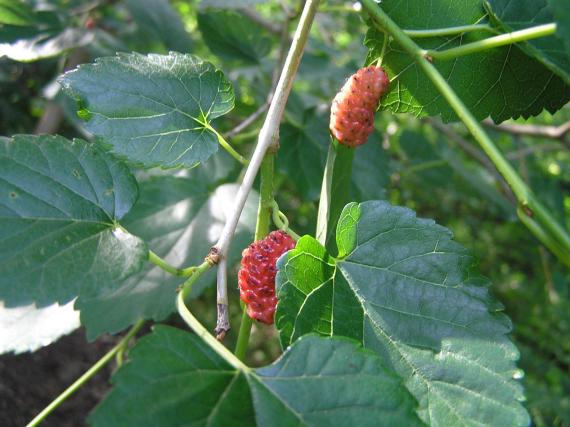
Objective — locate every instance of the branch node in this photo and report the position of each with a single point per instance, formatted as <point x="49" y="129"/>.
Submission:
<point x="527" y="210"/>
<point x="213" y="256"/>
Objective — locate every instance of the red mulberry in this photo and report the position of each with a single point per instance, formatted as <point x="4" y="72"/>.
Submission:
<point x="352" y="111"/>
<point x="256" y="277"/>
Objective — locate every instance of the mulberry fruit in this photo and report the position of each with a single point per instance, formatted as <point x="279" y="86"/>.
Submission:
<point x="352" y="111"/>
<point x="256" y="277"/>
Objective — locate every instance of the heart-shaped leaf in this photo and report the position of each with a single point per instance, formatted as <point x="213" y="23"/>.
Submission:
<point x="404" y="289"/>
<point x="153" y="110"/>
<point x="59" y="206"/>
<point x="180" y="218"/>
<point x="180" y="380"/>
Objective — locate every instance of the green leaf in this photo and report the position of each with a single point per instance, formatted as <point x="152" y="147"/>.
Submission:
<point x="28" y="328"/>
<point x="232" y="36"/>
<point x="551" y="51"/>
<point x="180" y="380"/>
<point x="154" y="110"/>
<point x="180" y="219"/>
<point x="404" y="289"/>
<point x="157" y="20"/>
<point x="59" y="206"/>
<point x="16" y="12"/>
<point x="502" y="83"/>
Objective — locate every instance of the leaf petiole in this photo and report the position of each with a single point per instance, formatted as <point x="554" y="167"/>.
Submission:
<point x="196" y="326"/>
<point x="450" y="31"/>
<point x="492" y="42"/>
<point x="227" y="145"/>
<point x="160" y="262"/>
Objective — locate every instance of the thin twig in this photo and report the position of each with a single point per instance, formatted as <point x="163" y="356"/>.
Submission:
<point x="247" y="121"/>
<point x="268" y="136"/>
<point x="260" y="20"/>
<point x="552" y="132"/>
<point x="523" y="152"/>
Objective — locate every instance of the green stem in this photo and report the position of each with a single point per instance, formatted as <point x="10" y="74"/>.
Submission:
<point x="160" y="262"/>
<point x="196" y="326"/>
<point x="524" y="195"/>
<point x="265" y="196"/>
<point x="86" y="376"/>
<point x="450" y="31"/>
<point x="227" y="145"/>
<point x="261" y="230"/>
<point x="243" y="335"/>
<point x="493" y="42"/>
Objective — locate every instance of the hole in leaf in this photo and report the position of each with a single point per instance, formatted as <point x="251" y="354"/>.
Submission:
<point x="13" y="194"/>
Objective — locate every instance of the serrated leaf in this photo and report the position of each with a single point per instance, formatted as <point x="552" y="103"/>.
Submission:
<point x="154" y="109"/>
<point x="59" y="204"/>
<point x="180" y="380"/>
<point x="29" y="328"/>
<point x="180" y="219"/>
<point x="232" y="36"/>
<point x="404" y="289"/>
<point x="551" y="50"/>
<point x="159" y="21"/>
<point x="502" y="83"/>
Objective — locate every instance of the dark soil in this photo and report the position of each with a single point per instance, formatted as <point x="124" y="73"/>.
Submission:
<point x="30" y="381"/>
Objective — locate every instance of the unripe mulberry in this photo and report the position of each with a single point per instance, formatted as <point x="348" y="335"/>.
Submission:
<point x="352" y="111"/>
<point x="256" y="277"/>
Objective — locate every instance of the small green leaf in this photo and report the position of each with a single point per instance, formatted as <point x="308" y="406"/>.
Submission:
<point x="502" y="83"/>
<point x="551" y="51"/>
<point x="232" y="36"/>
<point x="180" y="219"/>
<point x="153" y="110"/>
<point x="59" y="206"/>
<point x="407" y="291"/>
<point x="179" y="380"/>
